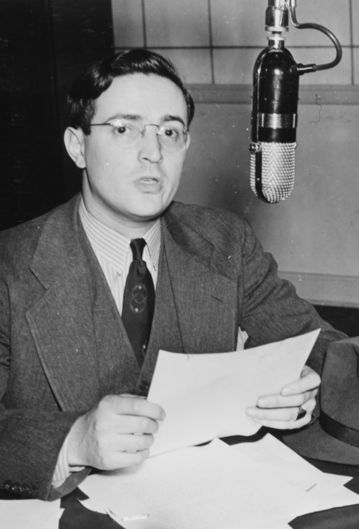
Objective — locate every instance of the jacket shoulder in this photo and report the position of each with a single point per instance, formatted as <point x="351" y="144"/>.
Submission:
<point x="20" y="242"/>
<point x="218" y="226"/>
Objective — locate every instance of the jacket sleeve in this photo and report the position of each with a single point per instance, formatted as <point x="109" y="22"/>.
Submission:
<point x="30" y="439"/>
<point x="271" y="309"/>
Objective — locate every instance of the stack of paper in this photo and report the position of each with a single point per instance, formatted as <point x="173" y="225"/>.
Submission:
<point x="215" y="486"/>
<point x="252" y="485"/>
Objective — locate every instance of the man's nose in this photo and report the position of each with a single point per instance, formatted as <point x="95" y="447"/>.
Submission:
<point x="151" y="149"/>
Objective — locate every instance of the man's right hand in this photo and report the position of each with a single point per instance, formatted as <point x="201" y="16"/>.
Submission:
<point x="116" y="433"/>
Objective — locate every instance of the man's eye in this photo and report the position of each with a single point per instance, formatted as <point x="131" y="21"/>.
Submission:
<point x="121" y="129"/>
<point x="171" y="133"/>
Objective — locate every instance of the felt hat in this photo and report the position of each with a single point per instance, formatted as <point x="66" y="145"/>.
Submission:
<point x="334" y="437"/>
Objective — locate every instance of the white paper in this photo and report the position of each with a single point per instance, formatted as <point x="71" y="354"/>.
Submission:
<point x="316" y="490"/>
<point x="30" y="514"/>
<point x="199" y="487"/>
<point x="205" y="396"/>
<point x="216" y="486"/>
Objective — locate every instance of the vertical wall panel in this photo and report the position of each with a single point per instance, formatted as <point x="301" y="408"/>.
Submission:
<point x="355" y="17"/>
<point x="30" y="179"/>
<point x="194" y="66"/>
<point x="333" y="14"/>
<point x="341" y="74"/>
<point x="128" y="23"/>
<point x="238" y="23"/>
<point x="234" y="66"/>
<point x="177" y="23"/>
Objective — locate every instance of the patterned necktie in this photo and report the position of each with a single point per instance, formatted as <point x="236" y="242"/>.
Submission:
<point x="138" y="301"/>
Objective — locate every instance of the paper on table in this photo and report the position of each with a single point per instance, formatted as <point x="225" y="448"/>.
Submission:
<point x="317" y="490"/>
<point x="215" y="486"/>
<point x="206" y="395"/>
<point x="199" y="487"/>
<point x="30" y="514"/>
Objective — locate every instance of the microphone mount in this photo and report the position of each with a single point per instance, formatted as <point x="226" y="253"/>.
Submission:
<point x="278" y="14"/>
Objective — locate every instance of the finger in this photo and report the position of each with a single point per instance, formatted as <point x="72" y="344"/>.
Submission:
<point x="120" y="459"/>
<point x="273" y="414"/>
<point x="133" y="424"/>
<point x="287" y="425"/>
<point x="264" y="416"/>
<point x="280" y="420"/>
<point x="310" y="380"/>
<point x="132" y="443"/>
<point x="133" y="405"/>
<point x="280" y="401"/>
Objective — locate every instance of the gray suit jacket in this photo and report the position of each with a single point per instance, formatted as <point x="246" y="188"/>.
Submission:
<point x="62" y="342"/>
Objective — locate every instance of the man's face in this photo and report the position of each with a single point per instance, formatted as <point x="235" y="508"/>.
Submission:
<point x="129" y="185"/>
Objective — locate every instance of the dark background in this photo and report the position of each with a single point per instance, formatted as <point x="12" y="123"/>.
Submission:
<point x="43" y="45"/>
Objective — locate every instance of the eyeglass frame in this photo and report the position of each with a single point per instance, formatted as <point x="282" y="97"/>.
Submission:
<point x="142" y="129"/>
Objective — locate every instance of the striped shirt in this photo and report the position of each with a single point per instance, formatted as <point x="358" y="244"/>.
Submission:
<point x="114" y="254"/>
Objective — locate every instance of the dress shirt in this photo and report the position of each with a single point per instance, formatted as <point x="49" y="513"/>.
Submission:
<point x="114" y="255"/>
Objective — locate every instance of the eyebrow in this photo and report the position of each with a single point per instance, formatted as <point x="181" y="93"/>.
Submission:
<point x="137" y="117"/>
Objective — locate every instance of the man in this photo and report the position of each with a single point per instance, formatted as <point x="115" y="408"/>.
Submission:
<point x="72" y="377"/>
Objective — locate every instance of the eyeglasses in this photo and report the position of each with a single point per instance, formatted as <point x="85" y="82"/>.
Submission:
<point x="172" y="137"/>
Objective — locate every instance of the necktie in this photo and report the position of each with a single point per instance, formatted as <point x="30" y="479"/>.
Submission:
<point x="138" y="301"/>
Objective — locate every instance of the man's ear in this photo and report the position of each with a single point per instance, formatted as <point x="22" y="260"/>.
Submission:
<point x="188" y="141"/>
<point x="75" y="146"/>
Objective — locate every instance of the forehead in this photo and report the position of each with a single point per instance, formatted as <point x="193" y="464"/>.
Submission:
<point x="150" y="97"/>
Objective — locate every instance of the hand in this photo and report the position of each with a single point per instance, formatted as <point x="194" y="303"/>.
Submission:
<point x="281" y="410"/>
<point x="116" y="433"/>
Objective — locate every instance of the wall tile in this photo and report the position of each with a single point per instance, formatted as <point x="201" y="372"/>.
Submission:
<point x="194" y="66"/>
<point x="356" y="66"/>
<point x="238" y="34"/>
<point x="355" y="11"/>
<point x="236" y="23"/>
<point x="340" y="74"/>
<point x="332" y="14"/>
<point x="127" y="23"/>
<point x="234" y="66"/>
<point x="177" y="23"/>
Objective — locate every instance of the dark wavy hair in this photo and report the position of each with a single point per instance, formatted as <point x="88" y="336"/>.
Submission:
<point x="93" y="82"/>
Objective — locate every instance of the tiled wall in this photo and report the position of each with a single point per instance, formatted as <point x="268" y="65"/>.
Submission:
<point x="217" y="41"/>
<point x="314" y="234"/>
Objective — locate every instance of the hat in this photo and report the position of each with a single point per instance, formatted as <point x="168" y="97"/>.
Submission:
<point x="334" y="437"/>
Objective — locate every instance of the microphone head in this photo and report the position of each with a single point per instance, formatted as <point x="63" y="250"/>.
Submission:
<point x="272" y="167"/>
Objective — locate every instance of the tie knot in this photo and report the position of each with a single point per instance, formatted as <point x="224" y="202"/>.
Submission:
<point x="137" y="246"/>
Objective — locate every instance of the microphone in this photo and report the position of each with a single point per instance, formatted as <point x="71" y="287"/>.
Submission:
<point x="275" y="103"/>
<point x="274" y="112"/>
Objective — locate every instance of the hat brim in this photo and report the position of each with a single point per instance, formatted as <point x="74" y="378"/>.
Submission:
<point x="315" y="443"/>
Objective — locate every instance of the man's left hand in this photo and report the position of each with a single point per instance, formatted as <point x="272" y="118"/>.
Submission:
<point x="292" y="407"/>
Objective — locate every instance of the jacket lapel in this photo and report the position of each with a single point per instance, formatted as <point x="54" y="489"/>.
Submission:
<point x="205" y="298"/>
<point x="195" y="302"/>
<point x="60" y="319"/>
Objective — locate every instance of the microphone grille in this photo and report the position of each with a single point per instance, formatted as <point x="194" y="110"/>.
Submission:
<point x="276" y="170"/>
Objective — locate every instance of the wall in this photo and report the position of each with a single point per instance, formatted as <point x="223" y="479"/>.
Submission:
<point x="314" y="234"/>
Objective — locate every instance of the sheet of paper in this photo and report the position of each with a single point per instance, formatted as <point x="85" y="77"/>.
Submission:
<point x="317" y="490"/>
<point x="30" y="514"/>
<point x="205" y="396"/>
<point x="199" y="487"/>
<point x="216" y="486"/>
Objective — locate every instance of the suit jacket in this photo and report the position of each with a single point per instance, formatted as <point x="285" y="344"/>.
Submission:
<point x="62" y="342"/>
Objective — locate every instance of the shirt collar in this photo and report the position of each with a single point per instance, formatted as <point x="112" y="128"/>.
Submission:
<point x="114" y="246"/>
